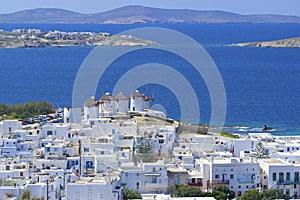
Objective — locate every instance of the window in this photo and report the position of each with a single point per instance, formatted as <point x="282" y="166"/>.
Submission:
<point x="49" y="132"/>
<point x="231" y="176"/>
<point x="239" y="187"/>
<point x="217" y="176"/>
<point x="281" y="177"/>
<point x="153" y="169"/>
<point x="154" y="179"/>
<point x="274" y="177"/>
<point x="288" y="176"/>
<point x="296" y="178"/>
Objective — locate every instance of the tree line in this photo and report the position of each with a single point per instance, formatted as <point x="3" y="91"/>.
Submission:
<point x="26" y="110"/>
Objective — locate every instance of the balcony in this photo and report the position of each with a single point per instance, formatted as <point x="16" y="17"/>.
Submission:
<point x="216" y="182"/>
<point x="246" y="181"/>
<point x="195" y="184"/>
<point x="288" y="182"/>
<point x="153" y="185"/>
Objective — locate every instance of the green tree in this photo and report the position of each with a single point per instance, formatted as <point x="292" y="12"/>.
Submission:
<point x="260" y="151"/>
<point x="29" y="109"/>
<point x="131" y="194"/>
<point x="222" y="192"/>
<point x="251" y="195"/>
<point x="186" y="191"/>
<point x="4" y="109"/>
<point x="25" y="195"/>
<point x="145" y="152"/>
<point x="274" y="194"/>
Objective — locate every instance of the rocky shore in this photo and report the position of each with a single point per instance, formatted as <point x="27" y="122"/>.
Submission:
<point x="285" y="43"/>
<point x="34" y="38"/>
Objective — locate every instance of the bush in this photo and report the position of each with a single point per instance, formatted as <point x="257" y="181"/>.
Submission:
<point x="131" y="194"/>
<point x="186" y="191"/>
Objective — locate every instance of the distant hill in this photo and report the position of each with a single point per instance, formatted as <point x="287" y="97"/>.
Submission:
<point x="140" y="14"/>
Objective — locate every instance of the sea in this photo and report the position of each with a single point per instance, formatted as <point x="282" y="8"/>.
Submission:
<point x="262" y="84"/>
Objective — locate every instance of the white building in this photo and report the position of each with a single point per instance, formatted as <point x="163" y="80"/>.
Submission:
<point x="9" y="126"/>
<point x="146" y="177"/>
<point x="279" y="174"/>
<point x="243" y="144"/>
<point x="72" y="115"/>
<point x="138" y="102"/>
<point x="90" y="189"/>
<point x="122" y="103"/>
<point x="107" y="105"/>
<point x="91" y="108"/>
<point x="240" y="175"/>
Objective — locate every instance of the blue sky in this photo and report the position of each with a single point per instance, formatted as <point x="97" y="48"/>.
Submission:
<point x="285" y="7"/>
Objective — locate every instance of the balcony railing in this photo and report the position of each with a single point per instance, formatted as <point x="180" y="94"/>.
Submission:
<point x="213" y="182"/>
<point x="154" y="185"/>
<point x="245" y="181"/>
<point x="195" y="184"/>
<point x="288" y="182"/>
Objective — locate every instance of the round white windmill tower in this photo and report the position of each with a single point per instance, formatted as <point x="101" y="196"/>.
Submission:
<point x="122" y="103"/>
<point x="137" y="101"/>
<point x="107" y="105"/>
<point x="91" y="108"/>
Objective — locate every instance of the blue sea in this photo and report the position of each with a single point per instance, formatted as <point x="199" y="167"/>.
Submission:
<point x="262" y="84"/>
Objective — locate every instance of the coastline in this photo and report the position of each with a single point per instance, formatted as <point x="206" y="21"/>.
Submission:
<point x="35" y="38"/>
<point x="284" y="43"/>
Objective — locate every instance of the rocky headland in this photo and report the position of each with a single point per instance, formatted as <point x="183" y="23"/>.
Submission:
<point x="285" y="43"/>
<point x="34" y="38"/>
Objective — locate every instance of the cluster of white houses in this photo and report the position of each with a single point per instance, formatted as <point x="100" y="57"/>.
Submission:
<point x="96" y="153"/>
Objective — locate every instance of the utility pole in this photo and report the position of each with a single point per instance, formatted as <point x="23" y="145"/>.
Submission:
<point x="79" y="143"/>
<point x="47" y="190"/>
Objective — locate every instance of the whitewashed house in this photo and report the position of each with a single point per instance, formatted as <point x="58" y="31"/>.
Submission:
<point x="9" y="126"/>
<point x="280" y="174"/>
<point x="240" y="175"/>
<point x="90" y="189"/>
<point x="72" y="115"/>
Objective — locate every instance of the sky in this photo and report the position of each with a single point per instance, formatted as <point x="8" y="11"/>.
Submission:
<point x="283" y="7"/>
